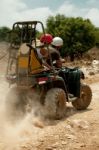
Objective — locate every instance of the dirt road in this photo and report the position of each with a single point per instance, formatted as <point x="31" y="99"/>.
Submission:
<point x="78" y="130"/>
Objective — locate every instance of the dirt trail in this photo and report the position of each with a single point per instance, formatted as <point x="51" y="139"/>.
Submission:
<point x="78" y="130"/>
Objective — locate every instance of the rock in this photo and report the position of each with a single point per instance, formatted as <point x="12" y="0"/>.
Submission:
<point x="53" y="146"/>
<point x="82" y="145"/>
<point x="70" y="136"/>
<point x="80" y="124"/>
<point x="91" y="73"/>
<point x="38" y="123"/>
<point x="68" y="127"/>
<point x="95" y="62"/>
<point x="88" y="63"/>
<point x="49" y="148"/>
<point x="63" y="142"/>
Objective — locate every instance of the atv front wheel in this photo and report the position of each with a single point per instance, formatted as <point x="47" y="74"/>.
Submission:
<point x="55" y="103"/>
<point x="85" y="98"/>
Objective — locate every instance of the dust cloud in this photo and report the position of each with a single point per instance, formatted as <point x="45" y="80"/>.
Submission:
<point x="20" y="115"/>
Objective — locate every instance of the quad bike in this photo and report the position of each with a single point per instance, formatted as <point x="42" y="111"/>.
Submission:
<point x="53" y="86"/>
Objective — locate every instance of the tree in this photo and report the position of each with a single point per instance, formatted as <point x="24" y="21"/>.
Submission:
<point x="97" y="36"/>
<point x="4" y="33"/>
<point x="77" y="33"/>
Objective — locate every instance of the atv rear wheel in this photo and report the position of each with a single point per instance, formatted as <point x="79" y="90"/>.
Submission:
<point x="55" y="103"/>
<point x="85" y="98"/>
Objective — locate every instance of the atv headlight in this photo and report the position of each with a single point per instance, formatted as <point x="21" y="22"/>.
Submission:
<point x="24" y="49"/>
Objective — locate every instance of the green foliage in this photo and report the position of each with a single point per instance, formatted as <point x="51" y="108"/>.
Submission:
<point x="97" y="36"/>
<point x="4" y="34"/>
<point x="77" y="33"/>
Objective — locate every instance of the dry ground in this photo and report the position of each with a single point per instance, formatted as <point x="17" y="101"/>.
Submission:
<point x="78" y="130"/>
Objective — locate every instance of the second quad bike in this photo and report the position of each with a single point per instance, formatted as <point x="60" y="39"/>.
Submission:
<point x="55" y="87"/>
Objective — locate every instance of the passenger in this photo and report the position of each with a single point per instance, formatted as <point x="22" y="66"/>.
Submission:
<point x="54" y="50"/>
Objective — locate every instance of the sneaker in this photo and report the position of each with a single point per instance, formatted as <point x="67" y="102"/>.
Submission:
<point x="71" y="98"/>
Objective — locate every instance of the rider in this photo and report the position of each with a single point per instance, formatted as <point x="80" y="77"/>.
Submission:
<point x="55" y="48"/>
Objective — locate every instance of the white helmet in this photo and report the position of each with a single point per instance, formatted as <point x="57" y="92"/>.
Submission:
<point x="57" y="41"/>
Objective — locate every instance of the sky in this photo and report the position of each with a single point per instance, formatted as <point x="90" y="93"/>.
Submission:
<point x="23" y="10"/>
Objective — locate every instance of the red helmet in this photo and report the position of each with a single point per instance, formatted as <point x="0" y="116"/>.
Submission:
<point x="46" y="38"/>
